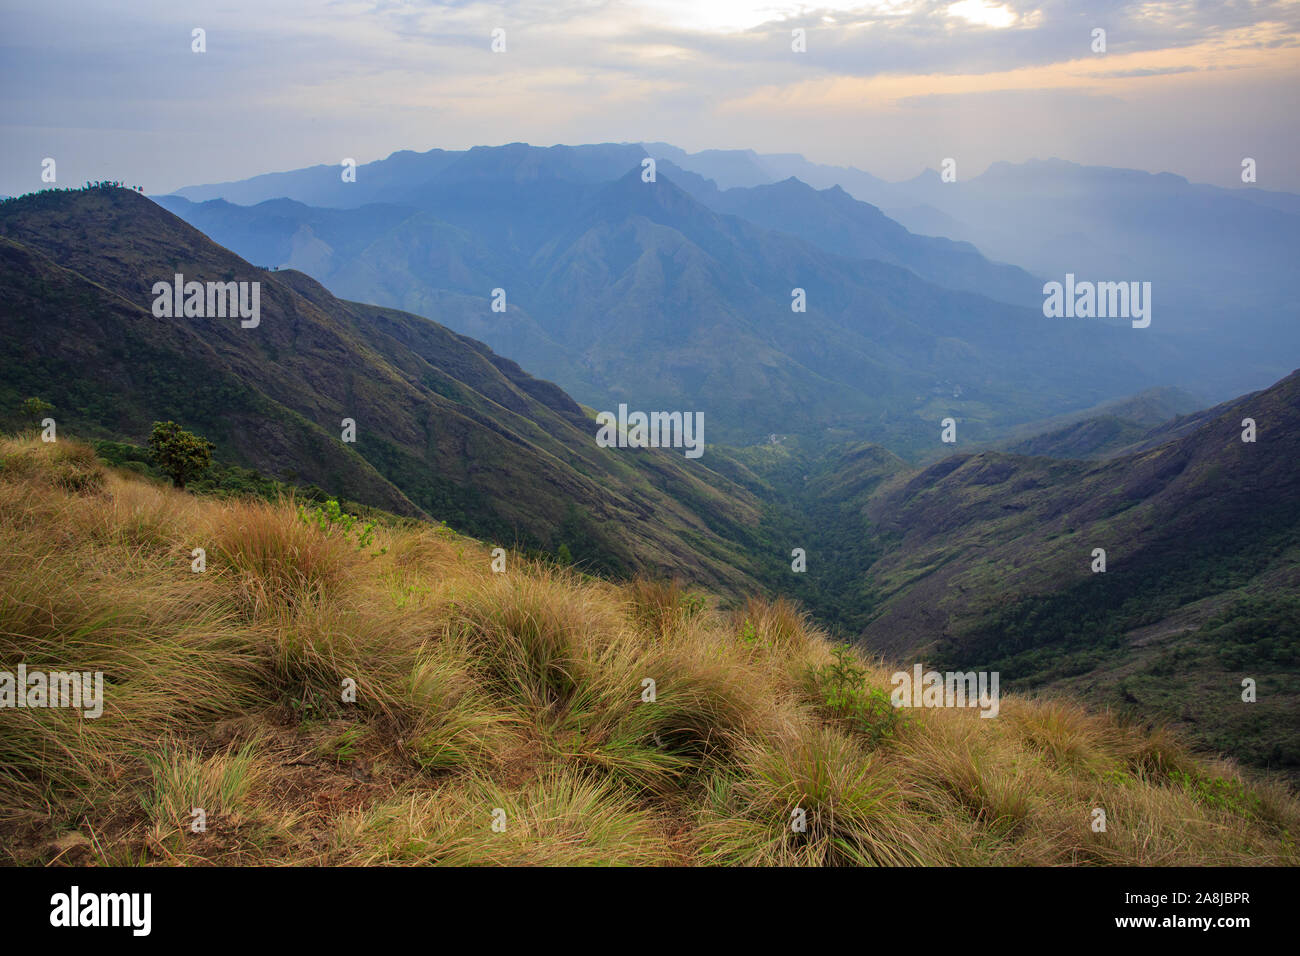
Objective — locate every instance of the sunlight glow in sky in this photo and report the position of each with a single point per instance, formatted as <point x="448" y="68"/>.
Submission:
<point x="984" y="14"/>
<point x="736" y="16"/>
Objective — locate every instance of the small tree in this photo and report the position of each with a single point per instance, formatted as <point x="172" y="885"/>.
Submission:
<point x="36" y="410"/>
<point x="180" y="455"/>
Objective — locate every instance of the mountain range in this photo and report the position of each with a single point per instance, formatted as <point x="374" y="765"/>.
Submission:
<point x="622" y="290"/>
<point x="823" y="427"/>
<point x="1224" y="261"/>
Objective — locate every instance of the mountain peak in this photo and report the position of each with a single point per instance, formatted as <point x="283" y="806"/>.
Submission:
<point x="661" y="200"/>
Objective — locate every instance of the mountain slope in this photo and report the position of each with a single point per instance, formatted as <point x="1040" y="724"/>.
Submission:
<point x="838" y="223"/>
<point x="1223" y="262"/>
<point x="444" y="426"/>
<point x="57" y="325"/>
<point x="651" y="275"/>
<point x="987" y="560"/>
<point x="1110" y="428"/>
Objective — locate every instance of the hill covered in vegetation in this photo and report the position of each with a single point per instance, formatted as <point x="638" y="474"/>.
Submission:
<point x="442" y="425"/>
<point x="508" y="717"/>
<point x="990" y="560"/>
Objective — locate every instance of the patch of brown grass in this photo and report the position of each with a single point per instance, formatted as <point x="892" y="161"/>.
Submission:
<point x="329" y="704"/>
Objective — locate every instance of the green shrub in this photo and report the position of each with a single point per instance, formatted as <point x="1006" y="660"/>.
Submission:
<point x="844" y="698"/>
<point x="1218" y="793"/>
<point x="332" y="519"/>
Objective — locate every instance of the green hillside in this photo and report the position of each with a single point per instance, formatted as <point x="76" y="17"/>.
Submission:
<point x="985" y="560"/>
<point x="444" y="426"/>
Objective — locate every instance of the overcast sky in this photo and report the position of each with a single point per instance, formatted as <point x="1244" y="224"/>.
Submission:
<point x="113" y="90"/>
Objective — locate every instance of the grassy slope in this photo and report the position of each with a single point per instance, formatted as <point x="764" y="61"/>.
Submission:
<point x="519" y="691"/>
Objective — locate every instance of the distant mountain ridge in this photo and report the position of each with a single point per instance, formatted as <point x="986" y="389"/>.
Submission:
<point x="1225" y="261"/>
<point x="621" y="289"/>
<point x="1112" y="428"/>
<point x="838" y="223"/>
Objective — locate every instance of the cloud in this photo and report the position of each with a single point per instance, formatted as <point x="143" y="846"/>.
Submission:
<point x="285" y="84"/>
<point x="1162" y="71"/>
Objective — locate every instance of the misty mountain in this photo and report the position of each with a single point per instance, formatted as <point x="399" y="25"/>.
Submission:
<point x="628" y="291"/>
<point x="838" y="223"/>
<point x="401" y="174"/>
<point x="1224" y="262"/>
<point x="1111" y="428"/>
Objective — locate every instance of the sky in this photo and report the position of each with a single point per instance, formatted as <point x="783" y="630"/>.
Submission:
<point x="114" y="90"/>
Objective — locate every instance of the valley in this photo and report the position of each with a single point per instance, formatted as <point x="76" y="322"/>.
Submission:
<point x="972" y="555"/>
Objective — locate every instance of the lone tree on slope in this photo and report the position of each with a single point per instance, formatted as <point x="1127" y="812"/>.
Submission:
<point x="181" y="455"/>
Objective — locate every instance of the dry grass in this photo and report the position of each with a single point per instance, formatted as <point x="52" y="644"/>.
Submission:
<point x="525" y="692"/>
